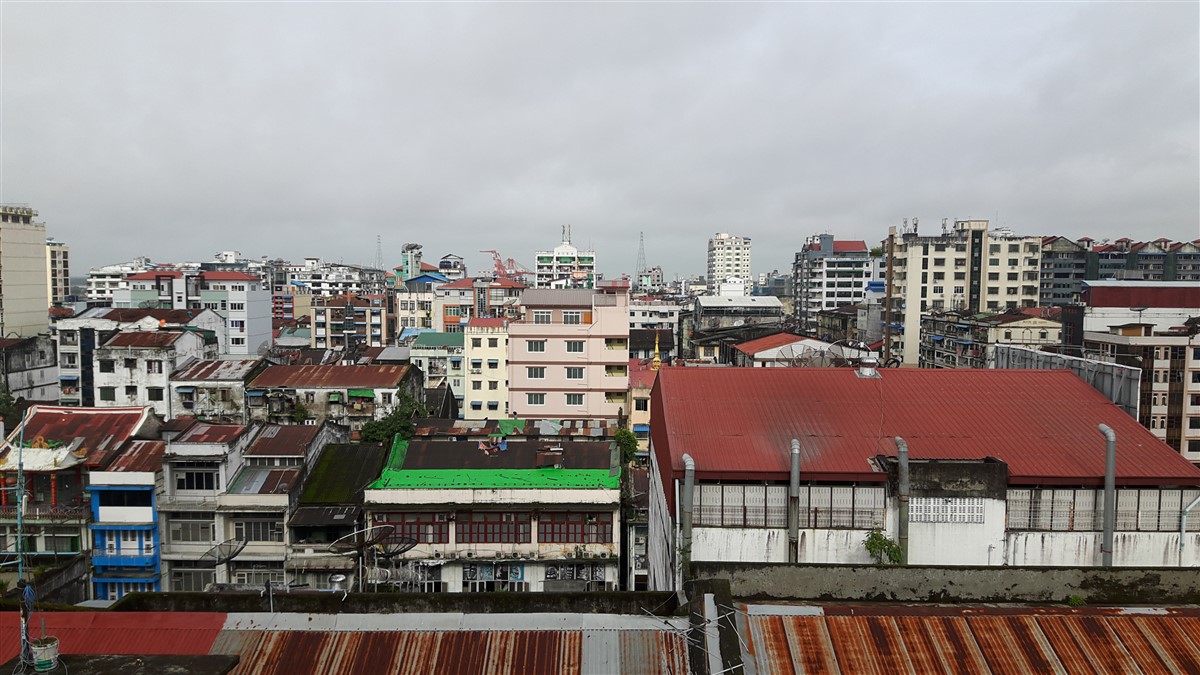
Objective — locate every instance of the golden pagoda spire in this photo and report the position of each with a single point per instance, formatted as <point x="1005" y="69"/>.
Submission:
<point x="656" y="363"/>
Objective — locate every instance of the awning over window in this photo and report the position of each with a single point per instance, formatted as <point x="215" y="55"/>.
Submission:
<point x="937" y="338"/>
<point x="185" y="390"/>
<point x="493" y="362"/>
<point x="68" y="378"/>
<point x="361" y="393"/>
<point x="335" y="397"/>
<point x="256" y="393"/>
<point x="965" y="342"/>
<point x="641" y="427"/>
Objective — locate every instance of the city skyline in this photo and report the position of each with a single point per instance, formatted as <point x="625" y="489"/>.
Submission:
<point x="476" y="127"/>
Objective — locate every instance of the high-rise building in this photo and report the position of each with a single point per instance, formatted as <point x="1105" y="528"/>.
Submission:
<point x="58" y="272"/>
<point x="828" y="273"/>
<point x="565" y="266"/>
<point x="23" y="293"/>
<point x="966" y="267"/>
<point x="728" y="258"/>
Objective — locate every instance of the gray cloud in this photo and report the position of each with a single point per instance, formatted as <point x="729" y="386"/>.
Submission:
<point x="176" y="130"/>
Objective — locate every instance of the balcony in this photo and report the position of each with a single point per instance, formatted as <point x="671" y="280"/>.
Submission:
<point x="114" y="557"/>
<point x="45" y="513"/>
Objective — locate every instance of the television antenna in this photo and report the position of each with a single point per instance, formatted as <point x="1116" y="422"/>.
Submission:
<point x="221" y="553"/>
<point x="361" y="542"/>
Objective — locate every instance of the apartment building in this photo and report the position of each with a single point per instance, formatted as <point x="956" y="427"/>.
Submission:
<point x="347" y="395"/>
<point x="102" y="281"/>
<point x="485" y="385"/>
<point x="642" y="373"/>
<point x="648" y="313"/>
<point x="213" y="390"/>
<point x="58" y="272"/>
<point x="23" y="272"/>
<point x="1013" y="478"/>
<point x="238" y="298"/>
<point x="517" y="516"/>
<point x="565" y="266"/>
<point x="568" y="353"/>
<point x="439" y="356"/>
<point x="133" y="368"/>
<point x="966" y="268"/>
<point x="125" y="544"/>
<point x="329" y="278"/>
<point x="1066" y="264"/>
<point x="342" y="321"/>
<point x="452" y="267"/>
<point x="28" y="368"/>
<point x="964" y="340"/>
<point x="414" y="300"/>
<point x="729" y="258"/>
<point x="711" y="315"/>
<point x="828" y="273"/>
<point x="455" y="303"/>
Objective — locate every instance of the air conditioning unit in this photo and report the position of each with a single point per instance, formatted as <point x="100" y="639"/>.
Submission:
<point x="604" y="554"/>
<point x="498" y="554"/>
<point x="470" y="554"/>
<point x="437" y="554"/>
<point x="639" y="541"/>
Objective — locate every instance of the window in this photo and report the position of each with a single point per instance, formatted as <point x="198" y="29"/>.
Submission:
<point x="536" y="372"/>
<point x="108" y="366"/>
<point x="131" y="363"/>
<point x="574" y="346"/>
<point x="577" y="399"/>
<point x="574" y="373"/>
<point x="994" y="261"/>
<point x="154" y="366"/>
<point x="535" y="345"/>
<point x="1013" y="262"/>
<point x="572" y="317"/>
<point x="541" y="316"/>
<point x="237" y="325"/>
<point x="196" y="529"/>
<point x="473" y="527"/>
<point x="203" y="479"/>
<point x="154" y="393"/>
<point x="493" y="385"/>
<point x="493" y="342"/>
<point x="476" y="342"/>
<point x="575" y="528"/>
<point x="476" y="385"/>
<point x="258" y="530"/>
<point x="237" y="341"/>
<point x="535" y="399"/>
<point x="641" y="404"/>
<point x="426" y="528"/>
<point x="108" y="393"/>
<point x="476" y="364"/>
<point x="237" y="306"/>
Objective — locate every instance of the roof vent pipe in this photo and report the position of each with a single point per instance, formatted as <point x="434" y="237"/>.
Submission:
<point x="1110" y="494"/>
<point x="904" y="488"/>
<point x="1183" y="525"/>
<point x="867" y="367"/>
<point x="794" y="505"/>
<point x="685" y="511"/>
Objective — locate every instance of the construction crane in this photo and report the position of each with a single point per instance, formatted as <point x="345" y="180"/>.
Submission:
<point x="510" y="268"/>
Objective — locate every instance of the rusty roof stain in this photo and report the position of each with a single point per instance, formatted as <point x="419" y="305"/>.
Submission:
<point x="102" y="430"/>
<point x="202" y="432"/>
<point x="140" y="456"/>
<point x="332" y="377"/>
<point x="145" y="339"/>
<point x="264" y="480"/>
<point x="975" y="640"/>
<point x="130" y="315"/>
<point x="277" y="440"/>
<point x="216" y="370"/>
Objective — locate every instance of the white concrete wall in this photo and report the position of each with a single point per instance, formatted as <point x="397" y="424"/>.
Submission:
<point x="126" y="514"/>
<point x="23" y="287"/>
<point x="1075" y="549"/>
<point x="729" y="544"/>
<point x="660" y="542"/>
<point x="959" y="543"/>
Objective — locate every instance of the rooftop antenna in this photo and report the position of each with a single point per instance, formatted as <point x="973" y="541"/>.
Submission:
<point x="378" y="252"/>
<point x="641" y="261"/>
<point x="357" y="543"/>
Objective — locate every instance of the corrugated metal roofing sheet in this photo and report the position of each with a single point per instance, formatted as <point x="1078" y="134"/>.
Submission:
<point x="141" y="456"/>
<point x="769" y="342"/>
<point x="103" y="430"/>
<point x="291" y="440"/>
<point x="216" y="370"/>
<point x="130" y="315"/>
<point x="203" y="432"/>
<point x="314" y="377"/>
<point x="737" y="423"/>
<point x="143" y="338"/>
<point x="974" y="641"/>
<point x="117" y="633"/>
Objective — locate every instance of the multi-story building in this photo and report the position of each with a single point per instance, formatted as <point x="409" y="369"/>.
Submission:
<point x="78" y="337"/>
<point x="58" y="272"/>
<point x="62" y="446"/>
<point x="510" y="516"/>
<point x="965" y="268"/>
<point x="649" y="313"/>
<point x="237" y="297"/>
<point x="102" y="281"/>
<point x="485" y="352"/>
<point x="828" y="273"/>
<point x="1013" y="478"/>
<point x="642" y="373"/>
<point x="1066" y="264"/>
<point x="455" y="303"/>
<point x="328" y="278"/>
<point x="728" y="258"/>
<point x="133" y="368"/>
<point x="651" y="279"/>
<point x="414" y="300"/>
<point x="124" y="527"/>
<point x="439" y="356"/>
<point x="213" y="390"/>
<point x="341" y="321"/>
<point x="963" y="340"/>
<point x="568" y="353"/>
<point x="23" y="273"/>
<point x="28" y="368"/>
<point x="452" y="267"/>
<point x="347" y="395"/>
<point x="646" y="344"/>
<point x="565" y="266"/>
<point x="711" y="314"/>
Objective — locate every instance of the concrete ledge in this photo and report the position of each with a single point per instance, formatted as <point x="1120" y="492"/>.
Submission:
<point x="1117" y="586"/>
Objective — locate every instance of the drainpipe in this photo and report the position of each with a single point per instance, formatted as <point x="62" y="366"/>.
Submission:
<point x="903" y="492"/>
<point x="1183" y="525"/>
<point x="1110" y="494"/>
<point x="687" y="503"/>
<point x="794" y="505"/>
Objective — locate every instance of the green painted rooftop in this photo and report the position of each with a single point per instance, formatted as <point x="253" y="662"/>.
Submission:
<point x="466" y="465"/>
<point x="433" y="339"/>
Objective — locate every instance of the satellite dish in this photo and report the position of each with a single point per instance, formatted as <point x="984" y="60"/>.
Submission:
<point x="222" y="553"/>
<point x="394" y="546"/>
<point x="357" y="542"/>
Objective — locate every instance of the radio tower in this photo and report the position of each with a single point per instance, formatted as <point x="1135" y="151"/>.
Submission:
<point x="641" y="262"/>
<point x="378" y="252"/>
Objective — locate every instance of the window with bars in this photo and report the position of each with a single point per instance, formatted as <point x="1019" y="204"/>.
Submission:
<point x="191" y="530"/>
<point x="945" y="510"/>
<point x="258" y="530"/>
<point x="722" y="505"/>
<point x="426" y="528"/>
<point x="1138" y="510"/>
<point x="483" y="527"/>
<point x="575" y="528"/>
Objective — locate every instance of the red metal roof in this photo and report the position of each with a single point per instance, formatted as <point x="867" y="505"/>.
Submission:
<point x="641" y="375"/>
<point x="117" y="633"/>
<point x="202" y="432"/>
<point x="762" y="344"/>
<point x="487" y="322"/>
<point x="228" y="276"/>
<point x="144" y="339"/>
<point x="142" y="456"/>
<point x="103" y="429"/>
<point x="334" y="377"/>
<point x="1141" y="294"/>
<point x="283" y="441"/>
<point x="130" y="314"/>
<point x="978" y="640"/>
<point x="738" y="423"/>
<point x="214" y="370"/>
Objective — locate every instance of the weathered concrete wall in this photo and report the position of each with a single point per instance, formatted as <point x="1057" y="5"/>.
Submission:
<point x="1168" y="586"/>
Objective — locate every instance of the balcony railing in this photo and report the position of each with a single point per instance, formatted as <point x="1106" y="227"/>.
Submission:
<point x="46" y="512"/>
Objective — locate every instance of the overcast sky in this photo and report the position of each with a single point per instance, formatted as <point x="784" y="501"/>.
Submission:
<point x="174" y="130"/>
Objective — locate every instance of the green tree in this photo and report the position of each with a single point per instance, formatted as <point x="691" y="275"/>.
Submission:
<point x="399" y="421"/>
<point x="8" y="407"/>
<point x="882" y="548"/>
<point x="628" y="443"/>
<point x="299" y="413"/>
<point x="877" y="251"/>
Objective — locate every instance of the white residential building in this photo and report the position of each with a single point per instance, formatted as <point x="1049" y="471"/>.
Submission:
<point x="133" y="368"/>
<point x="328" y="278"/>
<point x="102" y="281"/>
<point x="728" y="257"/>
<point x="23" y="291"/>
<point x="654" y="314"/>
<point x="565" y="266"/>
<point x="485" y="387"/>
<point x="828" y="273"/>
<point x="58" y="272"/>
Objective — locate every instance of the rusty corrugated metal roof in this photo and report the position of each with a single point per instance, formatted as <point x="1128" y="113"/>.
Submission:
<point x="117" y="633"/>
<point x="277" y="440"/>
<point x="143" y="456"/>
<point x="216" y="370"/>
<point x="737" y="423"/>
<point x="130" y="315"/>
<point x="145" y="339"/>
<point x="762" y="344"/>
<point x="103" y="430"/>
<point x="885" y="639"/>
<point x="202" y="432"/>
<point x="333" y="377"/>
